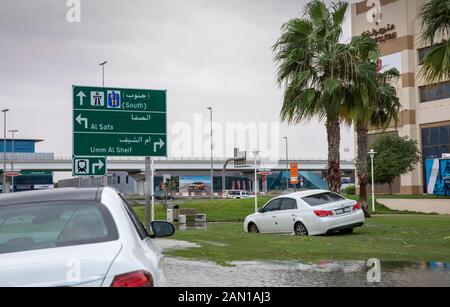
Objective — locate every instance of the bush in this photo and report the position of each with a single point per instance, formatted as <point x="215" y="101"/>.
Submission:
<point x="350" y="190"/>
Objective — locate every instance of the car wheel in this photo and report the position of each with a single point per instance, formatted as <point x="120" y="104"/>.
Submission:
<point x="252" y="228"/>
<point x="347" y="231"/>
<point x="300" y="229"/>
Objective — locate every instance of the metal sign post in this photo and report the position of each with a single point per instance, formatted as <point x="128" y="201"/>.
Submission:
<point x="148" y="192"/>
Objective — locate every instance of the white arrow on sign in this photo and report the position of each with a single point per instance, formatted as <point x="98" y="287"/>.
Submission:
<point x="81" y="95"/>
<point x="160" y="144"/>
<point x="99" y="165"/>
<point x="80" y="119"/>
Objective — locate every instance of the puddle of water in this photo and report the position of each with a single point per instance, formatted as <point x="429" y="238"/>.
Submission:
<point x="188" y="273"/>
<point x="191" y="226"/>
<point x="164" y="244"/>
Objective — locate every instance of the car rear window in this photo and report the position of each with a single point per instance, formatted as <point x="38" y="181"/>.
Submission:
<point x="36" y="226"/>
<point x="322" y="199"/>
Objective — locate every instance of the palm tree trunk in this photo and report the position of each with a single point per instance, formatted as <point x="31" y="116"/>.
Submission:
<point x="334" y="157"/>
<point x="361" y="166"/>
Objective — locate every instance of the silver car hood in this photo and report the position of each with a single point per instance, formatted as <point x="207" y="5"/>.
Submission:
<point x="81" y="265"/>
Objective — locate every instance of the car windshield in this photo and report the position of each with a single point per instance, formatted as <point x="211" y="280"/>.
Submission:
<point x="322" y="199"/>
<point x="32" y="226"/>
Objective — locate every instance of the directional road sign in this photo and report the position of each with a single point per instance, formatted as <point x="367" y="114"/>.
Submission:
<point x="119" y="122"/>
<point x="89" y="166"/>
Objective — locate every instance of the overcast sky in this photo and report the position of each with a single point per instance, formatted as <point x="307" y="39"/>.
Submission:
<point x="204" y="52"/>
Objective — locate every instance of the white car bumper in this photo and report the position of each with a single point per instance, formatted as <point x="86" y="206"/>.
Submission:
<point x="329" y="224"/>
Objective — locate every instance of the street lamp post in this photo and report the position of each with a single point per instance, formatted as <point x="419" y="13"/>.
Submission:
<point x="372" y="154"/>
<point x="212" y="153"/>
<point x="4" y="149"/>
<point x="103" y="72"/>
<point x="255" y="185"/>
<point x="13" y="132"/>
<point x="287" y="163"/>
<point x="103" y="85"/>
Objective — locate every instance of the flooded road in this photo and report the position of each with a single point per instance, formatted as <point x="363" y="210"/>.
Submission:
<point x="187" y="273"/>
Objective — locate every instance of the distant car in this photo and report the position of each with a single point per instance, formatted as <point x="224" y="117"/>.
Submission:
<point x="77" y="237"/>
<point x="307" y="213"/>
<point x="197" y="187"/>
<point x="238" y="194"/>
<point x="162" y="195"/>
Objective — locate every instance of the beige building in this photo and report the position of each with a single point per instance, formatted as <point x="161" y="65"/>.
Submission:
<point x="425" y="115"/>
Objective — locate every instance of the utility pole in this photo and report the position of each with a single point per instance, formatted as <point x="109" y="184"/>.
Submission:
<point x="13" y="132"/>
<point x="4" y="150"/>
<point x="372" y="154"/>
<point x="256" y="188"/>
<point x="287" y="163"/>
<point x="212" y="152"/>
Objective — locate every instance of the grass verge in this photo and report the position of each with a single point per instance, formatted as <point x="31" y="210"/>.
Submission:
<point x="390" y="238"/>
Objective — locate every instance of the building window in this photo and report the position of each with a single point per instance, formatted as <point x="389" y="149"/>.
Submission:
<point x="423" y="52"/>
<point x="435" y="142"/>
<point x="126" y="180"/>
<point x="435" y="92"/>
<point x="118" y="179"/>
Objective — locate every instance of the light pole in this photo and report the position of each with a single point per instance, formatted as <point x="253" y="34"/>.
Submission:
<point x="212" y="156"/>
<point x="13" y="132"/>
<point x="103" y="85"/>
<point x="255" y="185"/>
<point x="4" y="150"/>
<point x="287" y="163"/>
<point x="103" y="72"/>
<point x="372" y="154"/>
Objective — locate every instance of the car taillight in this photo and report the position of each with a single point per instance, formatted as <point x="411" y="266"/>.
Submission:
<point x="357" y="206"/>
<point x="323" y="213"/>
<point x="138" y="279"/>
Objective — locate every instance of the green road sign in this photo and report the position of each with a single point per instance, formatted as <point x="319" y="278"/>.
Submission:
<point x="119" y="122"/>
<point x="89" y="166"/>
<point x="36" y="173"/>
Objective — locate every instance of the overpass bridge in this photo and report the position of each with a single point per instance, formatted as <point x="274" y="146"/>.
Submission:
<point x="137" y="165"/>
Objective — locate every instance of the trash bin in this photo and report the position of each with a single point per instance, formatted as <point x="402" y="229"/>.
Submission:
<point x="173" y="214"/>
<point x="170" y="215"/>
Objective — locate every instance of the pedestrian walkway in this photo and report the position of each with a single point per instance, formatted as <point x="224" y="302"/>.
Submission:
<point x="440" y="206"/>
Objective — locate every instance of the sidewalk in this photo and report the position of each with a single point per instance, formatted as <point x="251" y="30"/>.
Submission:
<point x="440" y="206"/>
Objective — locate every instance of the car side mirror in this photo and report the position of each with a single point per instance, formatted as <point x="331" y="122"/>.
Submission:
<point x="261" y="210"/>
<point x="162" y="229"/>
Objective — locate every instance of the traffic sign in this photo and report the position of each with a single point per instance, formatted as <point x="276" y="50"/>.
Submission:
<point x="89" y="166"/>
<point x="119" y="122"/>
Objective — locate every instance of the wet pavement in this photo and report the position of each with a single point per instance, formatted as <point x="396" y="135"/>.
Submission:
<point x="188" y="273"/>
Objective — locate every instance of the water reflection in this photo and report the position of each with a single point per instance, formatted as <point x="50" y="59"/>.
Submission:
<point x="291" y="274"/>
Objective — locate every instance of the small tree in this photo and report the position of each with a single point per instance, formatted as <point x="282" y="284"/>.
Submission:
<point x="395" y="156"/>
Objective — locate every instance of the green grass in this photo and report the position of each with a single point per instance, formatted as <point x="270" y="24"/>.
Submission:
<point x="218" y="210"/>
<point x="390" y="238"/>
<point x="234" y="210"/>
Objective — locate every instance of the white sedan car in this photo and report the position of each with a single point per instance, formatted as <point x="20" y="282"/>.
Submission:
<point x="312" y="213"/>
<point x="77" y="237"/>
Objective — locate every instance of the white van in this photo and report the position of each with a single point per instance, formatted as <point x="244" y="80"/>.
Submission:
<point x="237" y="194"/>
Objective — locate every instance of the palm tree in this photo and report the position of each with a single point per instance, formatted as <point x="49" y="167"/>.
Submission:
<point x="312" y="66"/>
<point x="371" y="102"/>
<point x="435" y="19"/>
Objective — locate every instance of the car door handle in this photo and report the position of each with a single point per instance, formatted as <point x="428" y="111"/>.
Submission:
<point x="274" y="216"/>
<point x="293" y="215"/>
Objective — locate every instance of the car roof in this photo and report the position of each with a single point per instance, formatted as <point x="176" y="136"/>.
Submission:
<point x="64" y="194"/>
<point x="304" y="193"/>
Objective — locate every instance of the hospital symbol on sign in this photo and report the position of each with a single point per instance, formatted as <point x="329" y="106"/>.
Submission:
<point x="97" y="99"/>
